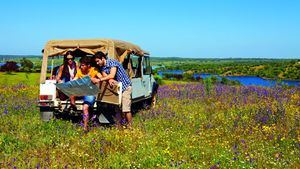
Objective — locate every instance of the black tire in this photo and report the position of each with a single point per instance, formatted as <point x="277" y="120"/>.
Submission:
<point x="153" y="101"/>
<point x="154" y="95"/>
<point x="46" y="113"/>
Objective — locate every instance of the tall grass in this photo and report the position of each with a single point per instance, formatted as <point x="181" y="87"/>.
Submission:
<point x="232" y="127"/>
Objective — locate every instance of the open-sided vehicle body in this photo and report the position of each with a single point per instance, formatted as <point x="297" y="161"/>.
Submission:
<point x="135" y="61"/>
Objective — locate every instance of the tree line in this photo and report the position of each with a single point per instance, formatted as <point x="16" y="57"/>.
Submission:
<point x="25" y="65"/>
<point x="273" y="69"/>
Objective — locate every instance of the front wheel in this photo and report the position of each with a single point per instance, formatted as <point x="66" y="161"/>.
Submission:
<point x="149" y="103"/>
<point x="153" y="101"/>
<point x="154" y="95"/>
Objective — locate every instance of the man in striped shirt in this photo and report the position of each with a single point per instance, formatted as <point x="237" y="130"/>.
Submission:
<point x="114" y="72"/>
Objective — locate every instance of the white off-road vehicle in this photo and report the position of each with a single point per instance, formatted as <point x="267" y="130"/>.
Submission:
<point x="135" y="61"/>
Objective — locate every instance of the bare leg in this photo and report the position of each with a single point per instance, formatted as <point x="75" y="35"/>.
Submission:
<point x="72" y="100"/>
<point x="128" y="117"/>
<point x="85" y="117"/>
<point x="72" y="104"/>
<point x="118" y="119"/>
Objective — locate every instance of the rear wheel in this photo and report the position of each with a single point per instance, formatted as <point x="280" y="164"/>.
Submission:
<point x="46" y="113"/>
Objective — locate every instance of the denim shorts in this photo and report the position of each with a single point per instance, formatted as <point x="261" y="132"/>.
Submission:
<point x="89" y="100"/>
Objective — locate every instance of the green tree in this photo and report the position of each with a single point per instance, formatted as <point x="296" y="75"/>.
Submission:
<point x="208" y="85"/>
<point x="188" y="76"/>
<point x="26" y="65"/>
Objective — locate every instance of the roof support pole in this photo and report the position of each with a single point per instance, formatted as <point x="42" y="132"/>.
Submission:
<point x="44" y="68"/>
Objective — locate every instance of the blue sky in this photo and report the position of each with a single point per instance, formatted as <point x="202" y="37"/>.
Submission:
<point x="203" y="28"/>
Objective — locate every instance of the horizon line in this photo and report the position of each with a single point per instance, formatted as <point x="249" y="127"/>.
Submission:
<point x="208" y="57"/>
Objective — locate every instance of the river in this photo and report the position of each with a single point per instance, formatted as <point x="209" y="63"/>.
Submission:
<point x="244" y="80"/>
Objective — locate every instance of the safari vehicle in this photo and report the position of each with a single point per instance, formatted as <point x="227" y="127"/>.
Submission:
<point x="135" y="61"/>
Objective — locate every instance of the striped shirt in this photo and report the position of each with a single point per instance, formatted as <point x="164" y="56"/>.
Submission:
<point x="121" y="75"/>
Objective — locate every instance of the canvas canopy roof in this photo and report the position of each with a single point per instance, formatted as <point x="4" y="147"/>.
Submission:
<point x="116" y="49"/>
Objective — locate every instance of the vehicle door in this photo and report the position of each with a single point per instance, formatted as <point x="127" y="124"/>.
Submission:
<point x="146" y="76"/>
<point x="140" y="80"/>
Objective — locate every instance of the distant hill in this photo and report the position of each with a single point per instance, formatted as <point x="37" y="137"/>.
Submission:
<point x="218" y="59"/>
<point x="9" y="57"/>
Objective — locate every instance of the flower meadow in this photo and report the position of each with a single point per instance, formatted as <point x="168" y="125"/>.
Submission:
<point x="192" y="126"/>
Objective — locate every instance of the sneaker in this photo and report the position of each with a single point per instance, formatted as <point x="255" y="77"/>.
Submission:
<point x="86" y="131"/>
<point x="72" y="108"/>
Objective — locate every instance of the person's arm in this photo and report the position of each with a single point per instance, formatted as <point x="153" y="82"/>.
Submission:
<point x="111" y="75"/>
<point x="77" y="65"/>
<point x="96" y="79"/>
<point x="111" y="82"/>
<point x="58" y="77"/>
<point x="103" y="74"/>
<point x="99" y="75"/>
<point x="77" y="74"/>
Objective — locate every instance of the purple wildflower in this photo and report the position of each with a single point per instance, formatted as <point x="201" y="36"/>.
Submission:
<point x="81" y="123"/>
<point x="38" y="166"/>
<point x="94" y="117"/>
<point x="5" y="111"/>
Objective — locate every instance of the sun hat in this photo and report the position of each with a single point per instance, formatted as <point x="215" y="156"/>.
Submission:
<point x="69" y="56"/>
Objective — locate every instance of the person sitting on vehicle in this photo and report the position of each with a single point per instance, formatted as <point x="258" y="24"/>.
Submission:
<point x="114" y="72"/>
<point x="68" y="70"/>
<point x="85" y="69"/>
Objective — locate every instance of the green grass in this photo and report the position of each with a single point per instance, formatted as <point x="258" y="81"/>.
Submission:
<point x="33" y="79"/>
<point x="19" y="77"/>
<point x="168" y="82"/>
<point x="228" y="127"/>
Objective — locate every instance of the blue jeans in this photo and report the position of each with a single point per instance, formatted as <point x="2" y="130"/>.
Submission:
<point x="89" y="100"/>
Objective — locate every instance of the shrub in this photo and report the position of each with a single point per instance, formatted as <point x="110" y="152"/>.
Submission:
<point x="10" y="66"/>
<point x="208" y="84"/>
<point x="158" y="79"/>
